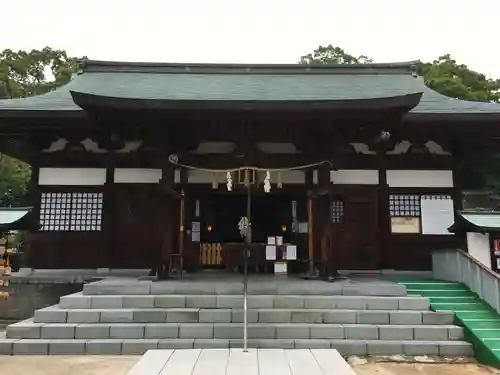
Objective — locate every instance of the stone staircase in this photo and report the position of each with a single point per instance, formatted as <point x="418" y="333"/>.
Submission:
<point x="129" y="317"/>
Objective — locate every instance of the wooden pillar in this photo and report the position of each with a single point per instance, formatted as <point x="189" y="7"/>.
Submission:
<point x="310" y="233"/>
<point x="34" y="196"/>
<point x="384" y="226"/>
<point x="109" y="206"/>
<point x="166" y="221"/>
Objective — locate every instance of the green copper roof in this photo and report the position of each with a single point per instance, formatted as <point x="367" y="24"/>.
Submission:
<point x="476" y="222"/>
<point x="226" y="82"/>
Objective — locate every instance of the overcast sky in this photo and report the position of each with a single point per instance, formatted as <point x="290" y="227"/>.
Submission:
<point x="257" y="31"/>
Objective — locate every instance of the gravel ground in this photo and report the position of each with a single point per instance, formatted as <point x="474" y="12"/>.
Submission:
<point x="106" y="365"/>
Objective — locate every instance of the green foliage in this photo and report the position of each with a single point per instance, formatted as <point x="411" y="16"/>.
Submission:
<point x="24" y="74"/>
<point x="443" y="75"/>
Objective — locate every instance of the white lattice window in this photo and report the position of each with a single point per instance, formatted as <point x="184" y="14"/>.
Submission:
<point x="73" y="212"/>
<point x="337" y="211"/>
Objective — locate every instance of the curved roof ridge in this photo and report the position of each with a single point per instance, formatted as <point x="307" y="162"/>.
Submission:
<point x="181" y="67"/>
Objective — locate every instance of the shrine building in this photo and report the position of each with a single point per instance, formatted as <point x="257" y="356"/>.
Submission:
<point x="133" y="163"/>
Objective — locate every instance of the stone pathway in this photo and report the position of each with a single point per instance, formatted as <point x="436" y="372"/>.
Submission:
<point x="95" y="365"/>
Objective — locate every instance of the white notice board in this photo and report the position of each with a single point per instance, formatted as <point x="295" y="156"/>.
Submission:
<point x="437" y="214"/>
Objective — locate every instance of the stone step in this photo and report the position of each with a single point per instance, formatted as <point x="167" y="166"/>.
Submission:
<point x="54" y="314"/>
<point x="80" y="301"/>
<point x="263" y="286"/>
<point x="139" y="347"/>
<point x="29" y="330"/>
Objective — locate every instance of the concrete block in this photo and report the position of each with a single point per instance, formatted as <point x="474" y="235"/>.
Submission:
<point x="117" y="316"/>
<point x="169" y="302"/>
<point x="395" y="333"/>
<point x="138" y="347"/>
<point x="293" y="331"/>
<point x="176" y="344"/>
<point x="438" y="317"/>
<point x="413" y="303"/>
<point x="323" y="331"/>
<point x="202" y="301"/>
<point x="421" y="348"/>
<point x="161" y="287"/>
<point x="211" y="344"/>
<point x="361" y="332"/>
<point x="307" y="316"/>
<point x="195" y="288"/>
<point x="92" y="331"/>
<point x="455" y="349"/>
<point x="31" y="347"/>
<point x="6" y="346"/>
<point x="380" y="347"/>
<point x="126" y="331"/>
<point x="215" y="316"/>
<point x="454" y="333"/>
<point x="273" y="344"/>
<point x="372" y="317"/>
<point x="59" y="331"/>
<point x="312" y="344"/>
<point x="289" y="302"/>
<point x="106" y="302"/>
<point x="161" y="331"/>
<point x="196" y="331"/>
<point x="230" y="302"/>
<point x="83" y="316"/>
<point x="139" y="302"/>
<point x="24" y="329"/>
<point x="349" y="303"/>
<point x="150" y="316"/>
<point x="350" y="347"/>
<point x="228" y="331"/>
<point x="382" y="303"/>
<point x="260" y="302"/>
<point x="320" y="302"/>
<point x="183" y="315"/>
<point x="67" y="347"/>
<point x="50" y="315"/>
<point x="430" y="333"/>
<point x="117" y="287"/>
<point x="261" y="331"/>
<point x="376" y="289"/>
<point x="340" y="316"/>
<point x="275" y="316"/>
<point x="405" y="317"/>
<point x="75" y="301"/>
<point x="237" y="316"/>
<point x="104" y="347"/>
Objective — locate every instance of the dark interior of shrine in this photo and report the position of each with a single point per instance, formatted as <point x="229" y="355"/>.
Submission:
<point x="271" y="215"/>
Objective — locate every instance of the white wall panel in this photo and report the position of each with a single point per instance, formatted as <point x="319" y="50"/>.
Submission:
<point x="72" y="176"/>
<point x="354" y="176"/>
<point x="478" y="245"/>
<point x="420" y="178"/>
<point x="137" y="175"/>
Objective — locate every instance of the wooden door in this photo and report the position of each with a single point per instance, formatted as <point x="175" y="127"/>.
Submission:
<point x="138" y="237"/>
<point x="354" y="215"/>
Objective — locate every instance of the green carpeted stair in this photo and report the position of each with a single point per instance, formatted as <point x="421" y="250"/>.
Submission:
<point x="481" y="322"/>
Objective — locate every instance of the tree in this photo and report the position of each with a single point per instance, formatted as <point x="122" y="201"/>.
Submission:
<point x="24" y="74"/>
<point x="443" y="75"/>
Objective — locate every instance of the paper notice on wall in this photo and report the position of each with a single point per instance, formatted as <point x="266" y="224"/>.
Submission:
<point x="291" y="252"/>
<point x="437" y="214"/>
<point x="195" y="226"/>
<point x="279" y="240"/>
<point x="280" y="268"/>
<point x="270" y="252"/>
<point x="195" y="236"/>
<point x="271" y="240"/>
<point x="303" y="227"/>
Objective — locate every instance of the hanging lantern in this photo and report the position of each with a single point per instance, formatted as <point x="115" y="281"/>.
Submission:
<point x="267" y="182"/>
<point x="229" y="183"/>
<point x="280" y="181"/>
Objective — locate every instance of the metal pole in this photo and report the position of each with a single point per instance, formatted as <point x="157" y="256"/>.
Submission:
<point x="245" y="265"/>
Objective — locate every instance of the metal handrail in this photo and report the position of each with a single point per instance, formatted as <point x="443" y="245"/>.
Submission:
<point x="245" y="264"/>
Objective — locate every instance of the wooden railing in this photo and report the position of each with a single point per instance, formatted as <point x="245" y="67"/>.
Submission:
<point x="458" y="266"/>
